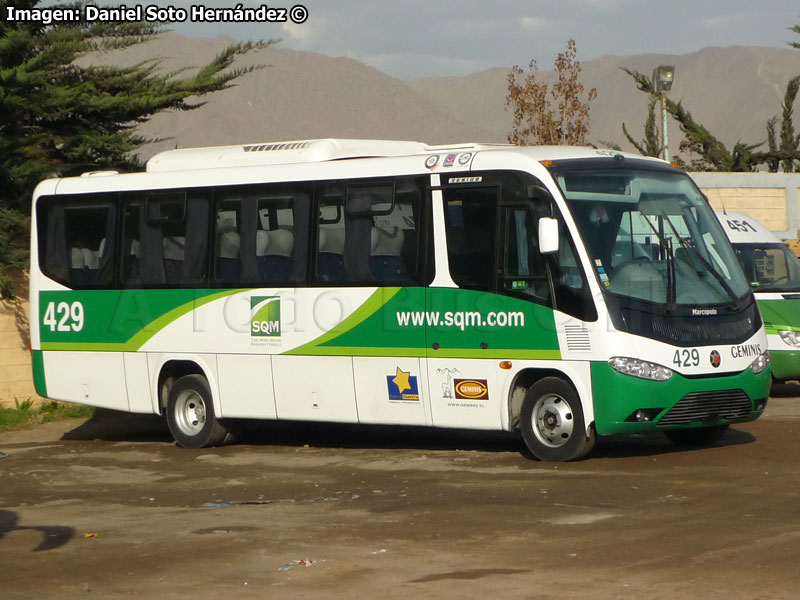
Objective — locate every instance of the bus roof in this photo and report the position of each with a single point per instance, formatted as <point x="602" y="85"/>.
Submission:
<point x="321" y="150"/>
<point x="744" y="229"/>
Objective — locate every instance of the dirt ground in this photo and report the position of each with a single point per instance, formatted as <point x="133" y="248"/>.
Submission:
<point x="111" y="508"/>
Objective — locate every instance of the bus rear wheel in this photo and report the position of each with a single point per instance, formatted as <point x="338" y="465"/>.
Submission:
<point x="697" y="437"/>
<point x="552" y="422"/>
<point x="190" y="414"/>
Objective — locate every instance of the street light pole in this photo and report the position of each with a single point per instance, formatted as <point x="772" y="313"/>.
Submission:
<point x="662" y="78"/>
<point x="664" y="124"/>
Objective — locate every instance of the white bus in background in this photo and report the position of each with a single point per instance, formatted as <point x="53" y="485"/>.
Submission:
<point x="774" y="274"/>
<point x="562" y="292"/>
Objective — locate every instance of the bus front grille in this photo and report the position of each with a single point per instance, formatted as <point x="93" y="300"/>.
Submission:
<point x="708" y="406"/>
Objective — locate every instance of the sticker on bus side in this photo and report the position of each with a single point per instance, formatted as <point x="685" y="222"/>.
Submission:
<point x="265" y="316"/>
<point x="402" y="386"/>
<point x="471" y="389"/>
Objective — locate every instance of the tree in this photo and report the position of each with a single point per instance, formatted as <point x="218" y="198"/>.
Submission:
<point x="796" y="29"/>
<point x="58" y="118"/>
<point x="706" y="151"/>
<point x="651" y="145"/>
<point x="787" y="151"/>
<point x="773" y="160"/>
<point x="543" y="115"/>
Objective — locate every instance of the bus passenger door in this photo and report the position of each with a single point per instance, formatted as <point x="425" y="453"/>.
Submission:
<point x="460" y="349"/>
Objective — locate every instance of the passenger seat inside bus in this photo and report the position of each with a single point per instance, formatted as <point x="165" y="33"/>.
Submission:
<point x="386" y="261"/>
<point x="274" y="250"/>
<point x="173" y="258"/>
<point x="330" y="263"/>
<point x="77" y="266"/>
<point x="84" y="263"/>
<point x="229" y="266"/>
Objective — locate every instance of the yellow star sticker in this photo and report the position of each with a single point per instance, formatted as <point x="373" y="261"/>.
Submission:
<point x="401" y="380"/>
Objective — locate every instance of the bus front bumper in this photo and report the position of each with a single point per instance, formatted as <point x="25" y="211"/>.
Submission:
<point x="625" y="404"/>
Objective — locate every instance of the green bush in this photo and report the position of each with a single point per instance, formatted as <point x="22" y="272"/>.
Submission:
<point x="25" y="413"/>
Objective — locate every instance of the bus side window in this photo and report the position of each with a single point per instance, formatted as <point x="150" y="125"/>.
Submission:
<point x="261" y="235"/>
<point x="470" y="218"/>
<point x="130" y="270"/>
<point x="572" y="295"/>
<point x="396" y="237"/>
<point x="282" y="237"/>
<point x="330" y="232"/>
<point x="228" y="215"/>
<point x="554" y="280"/>
<point x="165" y="238"/>
<point x="77" y="239"/>
<point x="368" y="233"/>
<point x="524" y="270"/>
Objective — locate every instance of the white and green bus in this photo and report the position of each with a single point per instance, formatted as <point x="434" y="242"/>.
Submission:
<point x="774" y="274"/>
<point x="563" y="292"/>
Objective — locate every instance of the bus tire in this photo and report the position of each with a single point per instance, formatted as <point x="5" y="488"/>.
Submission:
<point x="552" y="422"/>
<point x="698" y="437"/>
<point x="190" y="414"/>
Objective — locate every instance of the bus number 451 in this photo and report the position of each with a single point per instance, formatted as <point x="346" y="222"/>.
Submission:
<point x="63" y="316"/>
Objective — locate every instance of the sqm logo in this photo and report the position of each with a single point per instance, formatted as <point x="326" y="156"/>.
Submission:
<point x="265" y="316"/>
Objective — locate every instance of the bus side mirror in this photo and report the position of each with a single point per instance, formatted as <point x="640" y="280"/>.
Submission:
<point x="548" y="235"/>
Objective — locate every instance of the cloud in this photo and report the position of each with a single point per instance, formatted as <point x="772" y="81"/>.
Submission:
<point x="533" y="23"/>
<point x="720" y="21"/>
<point x="453" y="37"/>
<point x="303" y="35"/>
<point x="425" y="65"/>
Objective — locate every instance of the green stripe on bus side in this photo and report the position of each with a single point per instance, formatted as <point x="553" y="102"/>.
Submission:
<point x="85" y="346"/>
<point x="373" y="304"/>
<point x="146" y="333"/>
<point x="494" y="354"/>
<point x="375" y="328"/>
<point x="39" y="381"/>
<point x="357" y="351"/>
<point x="138" y="340"/>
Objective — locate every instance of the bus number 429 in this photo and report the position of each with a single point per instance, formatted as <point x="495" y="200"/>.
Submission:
<point x="64" y="317"/>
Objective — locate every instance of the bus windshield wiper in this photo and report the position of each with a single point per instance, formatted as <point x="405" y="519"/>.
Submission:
<point x="706" y="264"/>
<point x="672" y="286"/>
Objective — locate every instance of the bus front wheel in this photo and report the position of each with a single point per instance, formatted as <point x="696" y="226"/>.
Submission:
<point x="190" y="414"/>
<point x="552" y="422"/>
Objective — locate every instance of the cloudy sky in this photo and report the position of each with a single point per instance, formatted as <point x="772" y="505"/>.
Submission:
<point x="416" y="38"/>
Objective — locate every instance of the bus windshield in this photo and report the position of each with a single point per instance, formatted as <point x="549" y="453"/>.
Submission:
<point x="769" y="267"/>
<point x="651" y="236"/>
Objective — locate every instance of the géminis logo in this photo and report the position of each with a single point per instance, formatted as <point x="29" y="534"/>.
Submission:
<point x="265" y="316"/>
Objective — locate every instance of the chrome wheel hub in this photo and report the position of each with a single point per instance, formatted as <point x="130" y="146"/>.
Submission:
<point x="190" y="412"/>
<point x="553" y="422"/>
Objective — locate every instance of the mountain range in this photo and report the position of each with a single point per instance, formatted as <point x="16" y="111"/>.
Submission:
<point x="304" y="95"/>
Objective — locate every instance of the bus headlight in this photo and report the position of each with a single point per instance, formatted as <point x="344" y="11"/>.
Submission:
<point x="790" y="338"/>
<point x="760" y="363"/>
<point x="640" y="368"/>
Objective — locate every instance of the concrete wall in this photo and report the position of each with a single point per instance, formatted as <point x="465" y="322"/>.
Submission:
<point x="771" y="198"/>
<point x="16" y="380"/>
